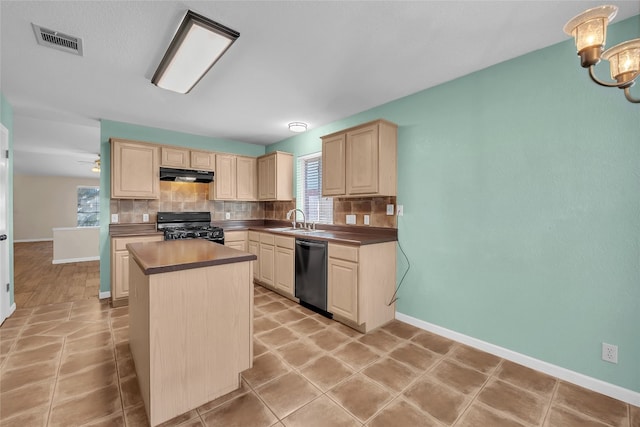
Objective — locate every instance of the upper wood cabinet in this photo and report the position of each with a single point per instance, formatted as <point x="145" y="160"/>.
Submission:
<point x="333" y="156"/>
<point x="361" y="161"/>
<point x="183" y="158"/>
<point x="135" y="173"/>
<point x="275" y="176"/>
<point x="235" y="179"/>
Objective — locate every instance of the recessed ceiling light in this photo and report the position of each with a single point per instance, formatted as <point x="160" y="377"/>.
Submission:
<point x="297" y="126"/>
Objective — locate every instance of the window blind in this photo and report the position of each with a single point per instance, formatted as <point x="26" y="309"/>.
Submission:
<point x="309" y="198"/>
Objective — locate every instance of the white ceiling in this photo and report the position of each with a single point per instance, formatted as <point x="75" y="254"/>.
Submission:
<point x="311" y="61"/>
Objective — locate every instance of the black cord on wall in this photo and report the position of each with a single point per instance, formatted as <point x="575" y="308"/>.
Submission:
<point x="394" y="298"/>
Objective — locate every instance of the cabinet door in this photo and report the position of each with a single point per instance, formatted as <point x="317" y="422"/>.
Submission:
<point x="174" y="157"/>
<point x="285" y="270"/>
<point x="236" y="245"/>
<point x="267" y="260"/>
<point x="120" y="279"/>
<point x="362" y="161"/>
<point x="333" y="165"/>
<point x="343" y="288"/>
<point x="225" y="178"/>
<point x="203" y="160"/>
<point x="267" y="177"/>
<point x="246" y="178"/>
<point x="135" y="171"/>
<point x="254" y="248"/>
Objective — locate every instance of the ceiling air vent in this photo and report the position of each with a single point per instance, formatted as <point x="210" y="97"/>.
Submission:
<point x="57" y="40"/>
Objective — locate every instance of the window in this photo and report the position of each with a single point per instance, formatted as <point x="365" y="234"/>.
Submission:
<point x="309" y="183"/>
<point x="88" y="206"/>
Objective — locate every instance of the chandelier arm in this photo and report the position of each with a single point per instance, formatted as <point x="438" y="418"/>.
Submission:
<point x="600" y="82"/>
<point x="630" y="98"/>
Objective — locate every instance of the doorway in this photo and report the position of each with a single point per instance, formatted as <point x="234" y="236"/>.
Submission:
<point x="4" y="241"/>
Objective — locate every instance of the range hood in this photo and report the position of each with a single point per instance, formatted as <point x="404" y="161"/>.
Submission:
<point x="185" y="175"/>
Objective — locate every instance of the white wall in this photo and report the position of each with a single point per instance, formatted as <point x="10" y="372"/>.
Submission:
<point x="41" y="203"/>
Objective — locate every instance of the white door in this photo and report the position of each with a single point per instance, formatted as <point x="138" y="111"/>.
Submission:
<point x="4" y="242"/>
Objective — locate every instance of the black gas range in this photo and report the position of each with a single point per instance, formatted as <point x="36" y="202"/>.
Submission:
<point x="189" y="225"/>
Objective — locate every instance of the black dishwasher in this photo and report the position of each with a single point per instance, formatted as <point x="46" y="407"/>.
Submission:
<point x="311" y="274"/>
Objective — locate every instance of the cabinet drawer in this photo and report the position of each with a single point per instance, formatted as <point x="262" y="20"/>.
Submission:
<point x="285" y="242"/>
<point x="235" y="236"/>
<point x="254" y="236"/>
<point x="120" y="243"/>
<point x="267" y="238"/>
<point x="348" y="253"/>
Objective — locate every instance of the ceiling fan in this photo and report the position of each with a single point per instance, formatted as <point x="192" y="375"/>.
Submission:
<point x="96" y="164"/>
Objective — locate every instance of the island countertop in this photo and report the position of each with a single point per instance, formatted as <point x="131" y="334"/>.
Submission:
<point x="175" y="255"/>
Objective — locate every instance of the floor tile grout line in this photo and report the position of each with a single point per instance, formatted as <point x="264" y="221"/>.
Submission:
<point x="55" y="381"/>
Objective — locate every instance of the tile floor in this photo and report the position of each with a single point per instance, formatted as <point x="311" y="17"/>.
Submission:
<point x="69" y="364"/>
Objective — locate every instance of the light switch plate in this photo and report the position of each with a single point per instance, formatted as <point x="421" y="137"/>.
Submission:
<point x="227" y="215"/>
<point x="389" y="209"/>
<point x="351" y="219"/>
<point x="366" y="220"/>
<point x="114" y="218"/>
<point x="145" y="217"/>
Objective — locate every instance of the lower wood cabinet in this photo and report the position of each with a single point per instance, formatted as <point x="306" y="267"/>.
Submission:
<point x="285" y="264"/>
<point x="253" y="247"/>
<point x="266" y="258"/>
<point x="120" y="266"/>
<point x="236" y="240"/>
<point x="361" y="282"/>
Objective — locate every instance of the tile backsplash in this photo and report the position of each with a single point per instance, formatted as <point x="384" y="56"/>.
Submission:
<point x="194" y="197"/>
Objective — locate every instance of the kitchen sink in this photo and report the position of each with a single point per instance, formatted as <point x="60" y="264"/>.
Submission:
<point x="295" y="230"/>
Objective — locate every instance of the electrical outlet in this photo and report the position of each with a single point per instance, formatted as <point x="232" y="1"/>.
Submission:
<point x="389" y="209"/>
<point x="400" y="210"/>
<point x="366" y="220"/>
<point x="351" y="219"/>
<point x="114" y="218"/>
<point x="609" y="353"/>
<point x="145" y="217"/>
<point x="227" y="215"/>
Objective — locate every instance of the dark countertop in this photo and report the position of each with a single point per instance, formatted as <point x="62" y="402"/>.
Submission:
<point x="175" y="255"/>
<point x="335" y="236"/>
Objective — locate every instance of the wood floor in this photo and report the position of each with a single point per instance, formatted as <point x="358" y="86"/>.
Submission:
<point x="39" y="282"/>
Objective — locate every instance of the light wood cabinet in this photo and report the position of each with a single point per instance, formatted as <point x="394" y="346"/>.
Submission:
<point x="172" y="157"/>
<point x="361" y="282"/>
<point x="253" y="247"/>
<point x="183" y="158"/>
<point x="267" y="259"/>
<point x="370" y="159"/>
<point x="135" y="172"/>
<point x="225" y="179"/>
<point x="285" y="264"/>
<point x="236" y="240"/>
<point x="120" y="266"/>
<point x="333" y="165"/>
<point x="235" y="179"/>
<point x="203" y="160"/>
<point x="275" y="176"/>
<point x="246" y="178"/>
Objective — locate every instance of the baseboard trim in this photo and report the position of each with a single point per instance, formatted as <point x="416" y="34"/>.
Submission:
<point x="32" y="240"/>
<point x="599" y="386"/>
<point x="68" y="260"/>
<point x="104" y="295"/>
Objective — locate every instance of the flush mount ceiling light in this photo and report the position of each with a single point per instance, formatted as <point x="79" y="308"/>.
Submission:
<point x="197" y="45"/>
<point x="590" y="32"/>
<point x="297" y="127"/>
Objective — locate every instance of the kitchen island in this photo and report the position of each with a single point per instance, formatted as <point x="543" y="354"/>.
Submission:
<point x="190" y="322"/>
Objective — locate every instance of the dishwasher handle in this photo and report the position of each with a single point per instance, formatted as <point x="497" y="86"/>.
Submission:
<point x="309" y="244"/>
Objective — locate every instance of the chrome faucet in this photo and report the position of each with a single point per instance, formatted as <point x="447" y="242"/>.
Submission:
<point x="295" y="213"/>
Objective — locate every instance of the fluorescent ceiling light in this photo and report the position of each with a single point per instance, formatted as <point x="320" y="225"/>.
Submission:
<point x="197" y="45"/>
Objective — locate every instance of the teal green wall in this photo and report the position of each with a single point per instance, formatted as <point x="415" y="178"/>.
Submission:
<point x="6" y="118"/>
<point x="111" y="129"/>
<point x="522" y="208"/>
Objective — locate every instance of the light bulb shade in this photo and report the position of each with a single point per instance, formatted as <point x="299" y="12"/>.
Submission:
<point x="590" y="27"/>
<point x="297" y="127"/>
<point x="196" y="46"/>
<point x="624" y="60"/>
